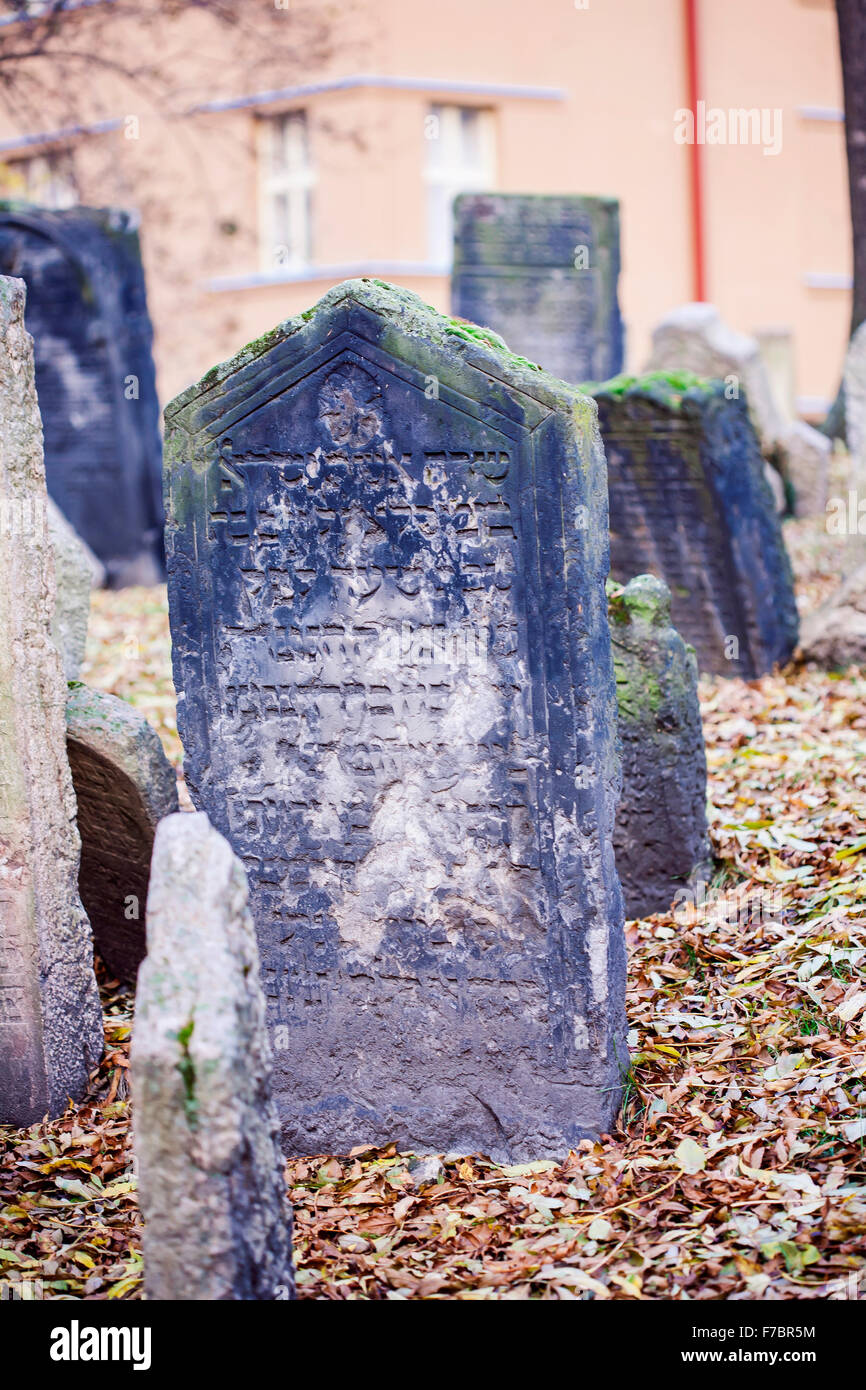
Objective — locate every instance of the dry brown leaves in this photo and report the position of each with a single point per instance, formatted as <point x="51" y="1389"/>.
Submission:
<point x="738" y="1168"/>
<point x="69" y="1224"/>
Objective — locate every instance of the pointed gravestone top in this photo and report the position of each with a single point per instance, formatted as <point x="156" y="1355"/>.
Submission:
<point x="387" y="543"/>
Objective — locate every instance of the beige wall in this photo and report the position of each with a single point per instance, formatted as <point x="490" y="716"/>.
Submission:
<point x="620" y="63"/>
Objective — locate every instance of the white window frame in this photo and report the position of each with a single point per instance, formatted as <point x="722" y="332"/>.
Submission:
<point x="451" y="171"/>
<point x="295" y="184"/>
<point x="49" y="171"/>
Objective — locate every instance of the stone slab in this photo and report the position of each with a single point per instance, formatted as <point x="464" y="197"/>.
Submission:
<point x="398" y="706"/>
<point x="542" y="272"/>
<point x="660" y="838"/>
<point x="50" y="1018"/>
<point x="689" y="503"/>
<point x="217" y="1225"/>
<point x="87" y="312"/>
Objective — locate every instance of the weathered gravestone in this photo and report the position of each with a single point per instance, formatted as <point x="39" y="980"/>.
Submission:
<point x="87" y="312"/>
<point x="76" y="572"/>
<point x="124" y="785"/>
<point x="689" y="503"/>
<point x="50" y="1017"/>
<point x="542" y="271"/>
<point x="695" y="338"/>
<point x="217" y="1224"/>
<point x="804" y="455"/>
<point x="660" y="837"/>
<point x="834" y="634"/>
<point x="398" y="705"/>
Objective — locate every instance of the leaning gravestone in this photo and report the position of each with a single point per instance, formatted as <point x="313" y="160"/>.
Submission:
<point x="124" y="785"/>
<point x="50" y="1017"/>
<point x="217" y="1224"/>
<point x="542" y="271"/>
<point x="87" y="312"/>
<point x="689" y="504"/>
<point x="660" y="836"/>
<point x="398" y="705"/>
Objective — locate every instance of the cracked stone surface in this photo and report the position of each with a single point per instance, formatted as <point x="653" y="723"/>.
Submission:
<point x="398" y="706"/>
<point x="217" y="1224"/>
<point x="50" y="1017"/>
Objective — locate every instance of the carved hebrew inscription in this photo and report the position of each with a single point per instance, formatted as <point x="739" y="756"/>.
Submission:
<point x="374" y="684"/>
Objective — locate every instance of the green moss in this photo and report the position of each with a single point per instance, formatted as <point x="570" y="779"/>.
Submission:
<point x="637" y="688"/>
<point x="669" y="386"/>
<point x="404" y="317"/>
<point x="266" y="341"/>
<point x="210" y="378"/>
<point x="186" y="1067"/>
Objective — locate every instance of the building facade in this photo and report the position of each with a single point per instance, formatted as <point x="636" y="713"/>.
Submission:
<point x="271" y="160"/>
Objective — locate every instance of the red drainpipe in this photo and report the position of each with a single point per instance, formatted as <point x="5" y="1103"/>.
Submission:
<point x="695" y="150"/>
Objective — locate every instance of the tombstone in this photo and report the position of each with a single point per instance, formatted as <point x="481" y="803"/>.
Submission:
<point x="87" y="312"/>
<point x="76" y="571"/>
<point x="695" y="338"/>
<point x="778" y="354"/>
<point x="124" y="785"/>
<point x="660" y="836"/>
<point x="689" y="504"/>
<point x="50" y="1017"/>
<point x="217" y="1224"/>
<point x="834" y="634"/>
<point x="542" y="272"/>
<point x="804" y="457"/>
<point x="398" y="706"/>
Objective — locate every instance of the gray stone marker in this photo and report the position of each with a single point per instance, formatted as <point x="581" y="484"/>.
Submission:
<point x="804" y="458"/>
<point x="77" y="571"/>
<point x="50" y="1018"/>
<point x="217" y="1224"/>
<point x="124" y="785"/>
<point x="542" y="271"/>
<point x="834" y="634"/>
<point x="87" y="311"/>
<point x="696" y="339"/>
<point x="689" y="503"/>
<point x="398" y="705"/>
<point x="660" y="836"/>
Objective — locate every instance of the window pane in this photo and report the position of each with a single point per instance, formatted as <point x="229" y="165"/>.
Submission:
<point x="461" y="160"/>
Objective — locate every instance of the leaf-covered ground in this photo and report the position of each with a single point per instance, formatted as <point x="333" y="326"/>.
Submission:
<point x="737" y="1170"/>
